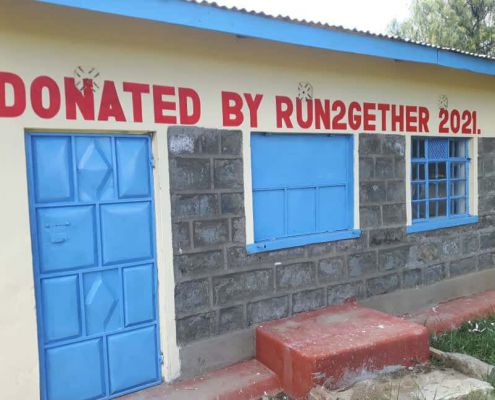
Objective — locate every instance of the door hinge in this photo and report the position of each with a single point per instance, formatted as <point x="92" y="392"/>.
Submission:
<point x="161" y="359"/>
<point x="152" y="162"/>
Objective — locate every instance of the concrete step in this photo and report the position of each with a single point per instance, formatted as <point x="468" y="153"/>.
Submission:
<point x="338" y="345"/>
<point x="452" y="314"/>
<point x="248" y="380"/>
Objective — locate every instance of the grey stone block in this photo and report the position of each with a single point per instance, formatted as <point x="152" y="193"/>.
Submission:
<point x="352" y="245"/>
<point x="308" y="300"/>
<point x="394" y="214"/>
<point x="390" y="259"/>
<point x="372" y="192"/>
<point x="366" y="168"/>
<point x="382" y="284"/>
<point x="451" y="247"/>
<point x="266" y="310"/>
<point x="486" y="146"/>
<point x="232" y="203"/>
<point x="295" y="276"/>
<point x="242" y="286"/>
<point x="207" y="262"/>
<point x="192" y="296"/>
<point x="424" y="253"/>
<point x="488" y="166"/>
<point x="396" y="191"/>
<point x="394" y="145"/>
<point x="362" y="264"/>
<point x="210" y="232"/>
<point x="189" y="174"/>
<point x="486" y="205"/>
<point x="232" y="142"/>
<point x="195" y="327"/>
<point x="470" y="244"/>
<point x="239" y="258"/>
<point x="486" y="261"/>
<point x="370" y="144"/>
<point x="481" y="171"/>
<point x="230" y="319"/>
<point x="331" y="269"/>
<point x="338" y="294"/>
<point x="400" y="168"/>
<point x="239" y="230"/>
<point x="486" y="185"/>
<point x="228" y="174"/>
<point x="434" y="273"/>
<point x="192" y="140"/>
<point x="321" y="249"/>
<point x="411" y="278"/>
<point x="388" y="236"/>
<point x="384" y="168"/>
<point x="370" y="217"/>
<point x="463" y="266"/>
<point x="195" y="205"/>
<point x="487" y="240"/>
<point x="181" y="237"/>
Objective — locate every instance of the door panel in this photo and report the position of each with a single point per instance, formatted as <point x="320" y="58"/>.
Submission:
<point x="92" y="223"/>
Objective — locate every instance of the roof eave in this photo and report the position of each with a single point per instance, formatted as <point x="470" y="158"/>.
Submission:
<point x="200" y="16"/>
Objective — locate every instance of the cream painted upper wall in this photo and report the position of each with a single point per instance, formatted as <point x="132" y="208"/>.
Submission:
<point x="126" y="49"/>
<point x="37" y="39"/>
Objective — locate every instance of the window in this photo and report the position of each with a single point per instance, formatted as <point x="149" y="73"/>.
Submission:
<point x="302" y="189"/>
<point x="439" y="183"/>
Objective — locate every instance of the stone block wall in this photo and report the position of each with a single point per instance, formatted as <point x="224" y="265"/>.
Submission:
<point x="221" y="289"/>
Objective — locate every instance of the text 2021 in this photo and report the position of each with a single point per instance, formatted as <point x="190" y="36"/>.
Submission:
<point x="455" y="121"/>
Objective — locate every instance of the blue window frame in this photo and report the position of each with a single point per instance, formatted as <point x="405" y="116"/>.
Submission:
<point x="439" y="183"/>
<point x="302" y="189"/>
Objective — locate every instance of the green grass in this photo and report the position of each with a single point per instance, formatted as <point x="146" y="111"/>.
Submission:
<point x="476" y="338"/>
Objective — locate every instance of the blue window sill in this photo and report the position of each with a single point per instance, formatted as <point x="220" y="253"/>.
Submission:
<point x="441" y="223"/>
<point x="301" y="241"/>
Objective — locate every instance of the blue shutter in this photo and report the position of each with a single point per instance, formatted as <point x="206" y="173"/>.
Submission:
<point x="302" y="185"/>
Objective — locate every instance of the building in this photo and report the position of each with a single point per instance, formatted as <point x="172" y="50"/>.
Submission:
<point x="176" y="173"/>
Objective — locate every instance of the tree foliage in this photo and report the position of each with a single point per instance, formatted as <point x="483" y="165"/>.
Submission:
<point x="467" y="25"/>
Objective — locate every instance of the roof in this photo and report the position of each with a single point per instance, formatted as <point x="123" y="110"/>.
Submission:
<point x="340" y="28"/>
<point x="200" y="14"/>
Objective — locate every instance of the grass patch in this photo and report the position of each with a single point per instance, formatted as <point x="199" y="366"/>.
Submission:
<point x="475" y="338"/>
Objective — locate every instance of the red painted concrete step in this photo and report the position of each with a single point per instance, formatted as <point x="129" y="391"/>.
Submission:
<point x="248" y="380"/>
<point x="452" y="314"/>
<point x="336" y="345"/>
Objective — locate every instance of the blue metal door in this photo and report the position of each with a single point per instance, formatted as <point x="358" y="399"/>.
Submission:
<point x="92" y="227"/>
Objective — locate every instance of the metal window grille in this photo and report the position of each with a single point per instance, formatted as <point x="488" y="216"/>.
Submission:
<point x="439" y="178"/>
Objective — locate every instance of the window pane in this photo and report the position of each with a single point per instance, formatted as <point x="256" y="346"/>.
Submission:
<point x="422" y="210"/>
<point x="458" y="188"/>
<point x="458" y="170"/>
<point x="453" y="151"/>
<point x="438" y="148"/>
<point x="432" y="190"/>
<point x="422" y="169"/>
<point x="442" y="189"/>
<point x="418" y="148"/>
<point x="415" y="148"/>
<point x="415" y="210"/>
<point x="458" y="206"/>
<point x="442" y="208"/>
<point x="415" y="172"/>
<point x="458" y="148"/>
<point x="442" y="170"/>
<point x="433" y="209"/>
<point x="418" y="191"/>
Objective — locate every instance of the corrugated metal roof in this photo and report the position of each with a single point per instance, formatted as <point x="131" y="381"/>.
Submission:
<point x="336" y="28"/>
